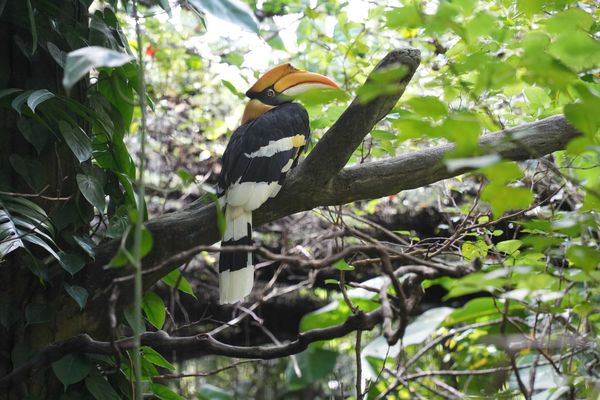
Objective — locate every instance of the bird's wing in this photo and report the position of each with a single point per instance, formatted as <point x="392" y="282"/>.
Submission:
<point x="262" y="151"/>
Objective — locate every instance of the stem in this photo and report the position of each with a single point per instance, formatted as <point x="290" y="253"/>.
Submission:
<point x="137" y="244"/>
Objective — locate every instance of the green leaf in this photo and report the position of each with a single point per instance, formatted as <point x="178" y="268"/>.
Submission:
<point x="72" y="368"/>
<point x="230" y="86"/>
<point x="210" y="392"/>
<point x="79" y="143"/>
<point x="404" y="17"/>
<point x="530" y="7"/>
<point x="571" y="19"/>
<point x="24" y="221"/>
<point x="77" y="293"/>
<point x="473" y="250"/>
<point x="20" y="100"/>
<point x="473" y="310"/>
<point x="164" y="4"/>
<point x="81" y="61"/>
<point x="233" y="11"/>
<point x="71" y="262"/>
<point x="583" y="257"/>
<point x="315" y="364"/>
<point x="31" y="169"/>
<point x="8" y="92"/>
<point x="342" y="265"/>
<point x="428" y="106"/>
<point x="164" y="393"/>
<point x="156" y="358"/>
<point x="100" y="388"/>
<point x="91" y="188"/>
<point x="509" y="246"/>
<point x="503" y="172"/>
<point x="32" y="27"/>
<point x="504" y="198"/>
<point x="38" y="97"/>
<point x="38" y="313"/>
<point x="175" y="276"/>
<point x="154" y="308"/>
<point x="34" y="133"/>
<point x="86" y="244"/>
<point x="577" y="50"/>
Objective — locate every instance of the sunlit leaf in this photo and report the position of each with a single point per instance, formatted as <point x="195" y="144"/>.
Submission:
<point x="81" y="61"/>
<point x="233" y="11"/>
<point x="154" y="308"/>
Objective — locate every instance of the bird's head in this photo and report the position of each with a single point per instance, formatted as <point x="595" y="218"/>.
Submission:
<point x="279" y="85"/>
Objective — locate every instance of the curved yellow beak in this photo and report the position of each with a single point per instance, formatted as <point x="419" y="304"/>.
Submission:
<point x="285" y="77"/>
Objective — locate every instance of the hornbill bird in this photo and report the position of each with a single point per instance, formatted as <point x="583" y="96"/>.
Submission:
<point x="273" y="133"/>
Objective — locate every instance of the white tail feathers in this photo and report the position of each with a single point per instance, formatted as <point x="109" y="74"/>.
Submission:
<point x="235" y="285"/>
<point x="236" y="272"/>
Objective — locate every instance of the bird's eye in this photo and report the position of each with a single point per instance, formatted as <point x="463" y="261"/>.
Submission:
<point x="270" y="93"/>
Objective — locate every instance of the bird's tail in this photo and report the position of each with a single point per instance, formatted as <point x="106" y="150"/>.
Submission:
<point x="236" y="272"/>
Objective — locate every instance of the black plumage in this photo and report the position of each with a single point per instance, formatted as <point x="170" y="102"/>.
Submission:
<point x="286" y="120"/>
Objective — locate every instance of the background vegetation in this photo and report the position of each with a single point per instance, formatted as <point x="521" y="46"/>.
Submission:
<point x="483" y="285"/>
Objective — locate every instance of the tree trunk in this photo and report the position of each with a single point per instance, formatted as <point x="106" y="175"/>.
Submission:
<point x="27" y="64"/>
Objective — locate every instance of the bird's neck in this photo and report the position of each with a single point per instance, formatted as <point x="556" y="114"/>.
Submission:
<point x="254" y="109"/>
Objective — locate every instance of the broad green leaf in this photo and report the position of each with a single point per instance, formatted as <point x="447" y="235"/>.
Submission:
<point x="30" y="169"/>
<point x="404" y="17"/>
<point x="164" y="4"/>
<point x="483" y="24"/>
<point x="174" y="277"/>
<point x="71" y="262"/>
<point x="91" y="188"/>
<point x="234" y="11"/>
<point x="428" y="106"/>
<point x="571" y="19"/>
<point x="473" y="250"/>
<point x="72" y="368"/>
<point x="503" y="172"/>
<point x="77" y="293"/>
<point x="81" y="61"/>
<point x="583" y="257"/>
<point x="8" y="92"/>
<point x="79" y="143"/>
<point x="34" y="133"/>
<point x="38" y="97"/>
<point x="509" y="246"/>
<point x="342" y="265"/>
<point x="505" y="198"/>
<point x="577" y="50"/>
<point x="86" y="244"/>
<point x="100" y="388"/>
<point x="530" y="7"/>
<point x="315" y="364"/>
<point x="154" y="308"/>
<point x="164" y="393"/>
<point x="20" y="100"/>
<point x="156" y="358"/>
<point x="474" y="310"/>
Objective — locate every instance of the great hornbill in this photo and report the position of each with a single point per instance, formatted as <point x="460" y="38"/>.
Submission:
<point x="261" y="151"/>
